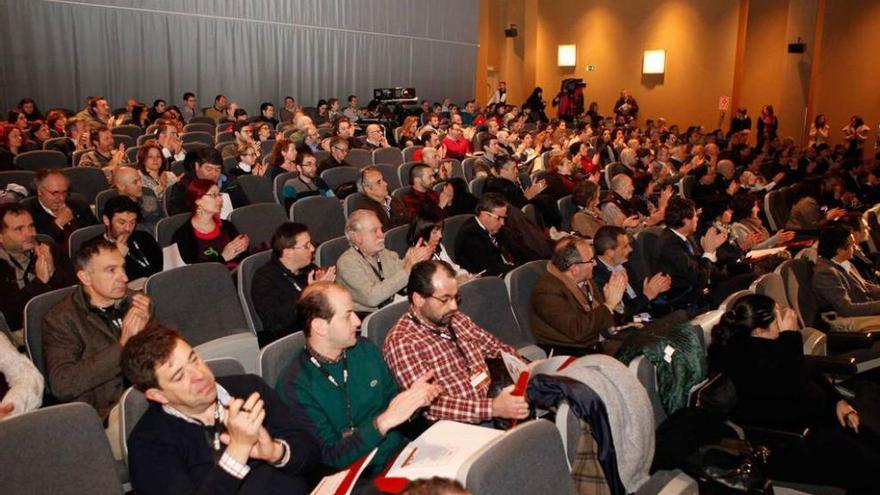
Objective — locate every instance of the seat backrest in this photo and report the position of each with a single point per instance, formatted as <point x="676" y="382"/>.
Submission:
<point x="400" y="192"/>
<point x="102" y="198"/>
<point x="86" y="181"/>
<point x="351" y="201"/>
<point x="259" y="221"/>
<point x="123" y="139"/>
<point x="257" y="188"/>
<point x="732" y="299"/>
<point x="567" y="209"/>
<point x="378" y="323"/>
<point x="531" y="213"/>
<point x="166" y="227"/>
<point x="131" y="131"/>
<point x="486" y="302"/>
<point x="199" y="127"/>
<point x="772" y="286"/>
<point x="198" y="137"/>
<point x="278" y="185"/>
<point x="143" y="138"/>
<point x="24" y="178"/>
<point x="81" y="235"/>
<point x="642" y="258"/>
<point x="335" y="177"/>
<point x="520" y="282"/>
<point x="323" y="216"/>
<point x="395" y="239"/>
<point x="389" y="173"/>
<point x="34" y="311"/>
<point x="131" y="154"/>
<point x="527" y="459"/>
<point x="409" y="152"/>
<point x="50" y="445"/>
<point x="39" y="159"/>
<point x="686" y="186"/>
<point x="200" y="300"/>
<point x="246" y="271"/>
<point x="774" y="208"/>
<point x="467" y="167"/>
<point x="329" y="251"/>
<point x="797" y="277"/>
<point x="390" y="155"/>
<point x="403" y="172"/>
<point x="647" y="376"/>
<point x="476" y="186"/>
<point x="451" y="228"/>
<point x="275" y="357"/>
<point x="359" y="158"/>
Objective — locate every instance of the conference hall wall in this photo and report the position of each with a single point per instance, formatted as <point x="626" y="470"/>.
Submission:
<point x="60" y="51"/>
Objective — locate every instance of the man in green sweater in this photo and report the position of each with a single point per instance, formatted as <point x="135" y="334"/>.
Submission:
<point x="344" y="384"/>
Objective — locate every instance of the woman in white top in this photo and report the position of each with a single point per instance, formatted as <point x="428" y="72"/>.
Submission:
<point x="428" y="227"/>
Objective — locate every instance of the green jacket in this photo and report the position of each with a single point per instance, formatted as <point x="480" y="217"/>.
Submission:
<point x="370" y="389"/>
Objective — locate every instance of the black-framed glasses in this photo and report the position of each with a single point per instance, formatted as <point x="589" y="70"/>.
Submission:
<point x="497" y="217"/>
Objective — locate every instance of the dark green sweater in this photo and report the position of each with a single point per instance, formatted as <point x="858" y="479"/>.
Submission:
<point x="370" y="389"/>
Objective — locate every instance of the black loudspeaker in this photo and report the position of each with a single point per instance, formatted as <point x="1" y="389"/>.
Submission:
<point x="797" y="47"/>
<point x="511" y="32"/>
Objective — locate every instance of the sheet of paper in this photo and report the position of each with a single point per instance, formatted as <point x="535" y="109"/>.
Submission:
<point x="171" y="258"/>
<point x="515" y="366"/>
<point x="343" y="482"/>
<point x="226" y="210"/>
<point x="760" y="253"/>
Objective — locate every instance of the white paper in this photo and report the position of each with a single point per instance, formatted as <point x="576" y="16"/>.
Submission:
<point x="515" y="366"/>
<point x="226" y="210"/>
<point x="171" y="258"/>
<point x="330" y="484"/>
<point x="759" y="253"/>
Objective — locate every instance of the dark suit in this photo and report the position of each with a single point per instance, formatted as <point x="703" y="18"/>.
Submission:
<point x="840" y="291"/>
<point x="632" y="305"/>
<point x="513" y="193"/>
<point x="398" y="215"/>
<point x="45" y="223"/>
<point x="144" y="256"/>
<point x="14" y="299"/>
<point x="475" y="251"/>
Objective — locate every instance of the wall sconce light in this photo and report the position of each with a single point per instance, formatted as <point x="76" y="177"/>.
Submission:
<point x="654" y="62"/>
<point x="567" y="56"/>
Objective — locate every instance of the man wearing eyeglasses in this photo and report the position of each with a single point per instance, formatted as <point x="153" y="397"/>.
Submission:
<point x="433" y="337"/>
<point x="567" y="312"/>
<point x="481" y="245"/>
<point x="338" y="151"/>
<point x="55" y="214"/>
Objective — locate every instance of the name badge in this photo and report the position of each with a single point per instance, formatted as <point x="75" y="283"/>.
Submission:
<point x="480" y="379"/>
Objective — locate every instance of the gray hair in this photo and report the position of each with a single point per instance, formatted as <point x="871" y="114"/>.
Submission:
<point x="355" y="222"/>
<point x="566" y="254"/>
<point x="359" y="182"/>
<point x="618" y="181"/>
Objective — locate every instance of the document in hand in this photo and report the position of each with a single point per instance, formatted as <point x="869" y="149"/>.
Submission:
<point x="763" y="253"/>
<point x="443" y="450"/>
<point x="342" y="482"/>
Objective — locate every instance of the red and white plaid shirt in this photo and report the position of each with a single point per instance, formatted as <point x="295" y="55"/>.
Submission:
<point x="414" y="347"/>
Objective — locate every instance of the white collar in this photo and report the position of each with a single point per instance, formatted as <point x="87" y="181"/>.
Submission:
<point x="46" y="208"/>
<point x="244" y="166"/>
<point x="222" y="396"/>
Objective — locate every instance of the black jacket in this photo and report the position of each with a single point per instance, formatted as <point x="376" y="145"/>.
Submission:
<point x="632" y="305"/>
<point x="475" y="252"/>
<point x="275" y="291"/>
<point x="45" y="223"/>
<point x="144" y="256"/>
<point x="188" y="244"/>
<point x="168" y="455"/>
<point x="13" y="299"/>
<point x="690" y="273"/>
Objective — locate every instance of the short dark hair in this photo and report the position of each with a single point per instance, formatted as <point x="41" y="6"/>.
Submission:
<point x="501" y="161"/>
<point x="416" y="171"/>
<point x="157" y="101"/>
<point x="11" y="209"/>
<point x="188" y="95"/>
<point x="120" y="204"/>
<point x="90" y="249"/>
<point x="435" y="486"/>
<point x="314" y="302"/>
<point x="606" y="238"/>
<point x="833" y="238"/>
<point x="584" y="193"/>
<point x="566" y="254"/>
<point x="421" y="275"/>
<point x="285" y="237"/>
<point x="741" y="206"/>
<point x="145" y="352"/>
<point x="206" y="154"/>
<point x="677" y="211"/>
<point x="217" y="98"/>
<point x="351" y="97"/>
<point x="490" y="201"/>
<point x="93" y="137"/>
<point x="265" y="105"/>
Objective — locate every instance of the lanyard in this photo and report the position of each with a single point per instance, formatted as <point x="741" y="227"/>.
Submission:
<point x="378" y="272"/>
<point x="449" y="335"/>
<point x="137" y="255"/>
<point x="287" y="276"/>
<point x="343" y="388"/>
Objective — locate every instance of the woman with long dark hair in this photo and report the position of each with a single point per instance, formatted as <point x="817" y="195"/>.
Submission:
<point x="768" y="125"/>
<point x="536" y="104"/>
<point x="756" y="345"/>
<point x="427" y="226"/>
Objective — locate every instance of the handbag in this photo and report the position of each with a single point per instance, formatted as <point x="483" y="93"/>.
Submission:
<point x="729" y="467"/>
<point x="717" y="394"/>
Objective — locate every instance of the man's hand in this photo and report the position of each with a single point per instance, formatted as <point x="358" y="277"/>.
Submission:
<point x="732" y="188"/>
<point x="322" y="274"/>
<point x="136" y="318"/>
<point x="665" y="196"/>
<point x="420" y="394"/>
<point x="244" y="420"/>
<point x="835" y="213"/>
<point x="785" y="236"/>
<point x="63" y="216"/>
<point x="632" y="222"/>
<point x="415" y="254"/>
<point x="614" y="289"/>
<point x="713" y="240"/>
<point x="6" y="409"/>
<point x="509" y="406"/>
<point x="122" y="243"/>
<point x="118" y="156"/>
<point x="656" y="285"/>
<point x="535" y="189"/>
<point x="44" y="266"/>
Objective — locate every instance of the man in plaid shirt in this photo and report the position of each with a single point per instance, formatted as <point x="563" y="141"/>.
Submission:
<point x="434" y="336"/>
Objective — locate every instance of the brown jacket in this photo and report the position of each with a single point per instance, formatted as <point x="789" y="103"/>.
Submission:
<point x="81" y="351"/>
<point x="560" y="314"/>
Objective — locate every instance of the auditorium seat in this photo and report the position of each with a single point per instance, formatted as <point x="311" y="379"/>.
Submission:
<point x="166" y="227"/>
<point x="567" y="209"/>
<point x="81" y="235"/>
<point x="246" y="271"/>
<point x="403" y="172"/>
<point x="275" y="357"/>
<point x="409" y="152"/>
<point x="278" y="185"/>
<point x="359" y="158"/>
<point x="335" y="177"/>
<point x="329" y="251"/>
<point x="451" y="228"/>
<point x="40" y="159"/>
<point x="86" y="181"/>
<point x="520" y="283"/>
<point x="389" y="173"/>
<point x="395" y="240"/>
<point x="390" y="155"/>
<point x="259" y="221"/>
<point x="34" y="311"/>
<point x="323" y="216"/>
<point x="377" y="324"/>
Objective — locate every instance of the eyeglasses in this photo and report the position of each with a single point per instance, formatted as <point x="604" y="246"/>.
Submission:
<point x="307" y="245"/>
<point x="213" y="195"/>
<point x="60" y="192"/>
<point x="344" y="150"/>
<point x="497" y="217"/>
<point x="249" y="154"/>
<point x="447" y="299"/>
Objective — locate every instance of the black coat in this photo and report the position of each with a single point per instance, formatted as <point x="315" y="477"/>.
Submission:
<point x="45" y="223"/>
<point x="690" y="273"/>
<point x="632" y="305"/>
<point x="475" y="252"/>
<point x="13" y="299"/>
<point x="275" y="291"/>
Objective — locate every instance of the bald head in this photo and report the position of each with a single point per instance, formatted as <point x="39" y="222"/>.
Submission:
<point x="127" y="182"/>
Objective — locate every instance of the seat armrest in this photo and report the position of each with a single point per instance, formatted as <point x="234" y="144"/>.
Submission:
<point x="837" y="365"/>
<point x="774" y="439"/>
<point x="842" y="341"/>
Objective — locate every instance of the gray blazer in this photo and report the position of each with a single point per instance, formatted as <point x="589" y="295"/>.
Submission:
<point x="835" y="289"/>
<point x="360" y="277"/>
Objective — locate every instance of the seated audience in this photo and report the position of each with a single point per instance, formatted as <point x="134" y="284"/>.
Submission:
<point x="375" y="137"/>
<point x="390" y="210"/>
<point x="21" y="384"/>
<point x="839" y="286"/>
<point x="344" y="385"/>
<point x="588" y="219"/>
<point x="169" y="141"/>
<point x="807" y="214"/>
<point x="480" y="247"/>
<point x="747" y="229"/>
<point x="207" y="238"/>
<point x="277" y="285"/>
<point x="83" y="334"/>
<point x="422" y="196"/>
<point x="202" y="434"/>
<point x="338" y="151"/>
<point x="283" y="158"/>
<point x="204" y="163"/>
<point x="54" y="213"/>
<point x="427" y="228"/>
<point x="758" y="347"/>
<point x="457" y="145"/>
<point x="103" y="155"/>
<point x="567" y="312"/>
<point x="612" y="246"/>
<point x="128" y="183"/>
<point x="434" y="338"/>
<point x="306" y="183"/>
<point x="155" y="173"/>
<point x="621" y="206"/>
<point x="27" y="268"/>
<point x="247" y="155"/>
<point x="143" y="256"/>
<point x="372" y="273"/>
